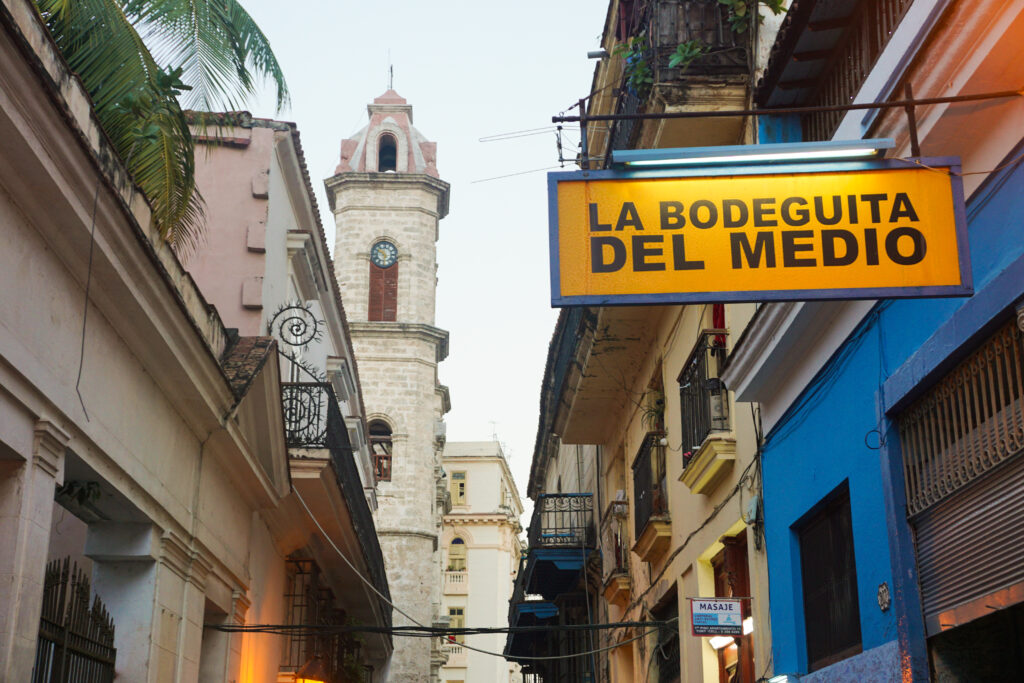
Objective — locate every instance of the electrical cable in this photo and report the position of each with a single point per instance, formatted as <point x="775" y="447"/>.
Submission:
<point x="429" y="630"/>
<point x="714" y="513"/>
<point x="88" y="283"/>
<point x="509" y="175"/>
<point x="352" y="566"/>
<point x="961" y="174"/>
<point x="468" y="647"/>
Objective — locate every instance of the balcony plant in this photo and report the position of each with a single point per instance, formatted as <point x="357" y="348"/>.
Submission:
<point x="637" y="71"/>
<point x="652" y="414"/>
<point x="685" y="53"/>
<point x="741" y="12"/>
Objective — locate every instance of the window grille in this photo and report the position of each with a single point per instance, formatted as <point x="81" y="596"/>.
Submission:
<point x="703" y="399"/>
<point x="968" y="423"/>
<point x="649" y="484"/>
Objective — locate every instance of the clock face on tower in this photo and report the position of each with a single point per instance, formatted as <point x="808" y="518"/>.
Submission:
<point x="383" y="254"/>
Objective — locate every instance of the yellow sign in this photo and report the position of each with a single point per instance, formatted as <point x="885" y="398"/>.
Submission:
<point x="888" y="231"/>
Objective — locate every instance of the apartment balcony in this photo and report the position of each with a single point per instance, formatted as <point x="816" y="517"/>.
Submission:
<point x="317" y="438"/>
<point x="456" y="654"/>
<point x="652" y="524"/>
<point x="824" y="55"/>
<point x="562" y="520"/>
<point x="456" y="582"/>
<point x="708" y="445"/>
<point x="561" y="537"/>
<point x="527" y="610"/>
<point x="717" y="73"/>
<point x="615" y="553"/>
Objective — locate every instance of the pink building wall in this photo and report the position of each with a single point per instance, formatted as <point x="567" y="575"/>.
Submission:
<point x="229" y="267"/>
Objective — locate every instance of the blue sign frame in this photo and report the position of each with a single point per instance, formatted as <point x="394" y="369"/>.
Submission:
<point x="959" y="208"/>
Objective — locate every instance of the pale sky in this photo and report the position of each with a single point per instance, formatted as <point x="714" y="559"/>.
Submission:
<point x="470" y="70"/>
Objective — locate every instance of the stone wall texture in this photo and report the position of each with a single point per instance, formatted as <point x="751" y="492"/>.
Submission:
<point x="398" y="373"/>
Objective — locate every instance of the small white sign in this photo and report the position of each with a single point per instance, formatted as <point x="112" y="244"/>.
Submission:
<point x="716" y="617"/>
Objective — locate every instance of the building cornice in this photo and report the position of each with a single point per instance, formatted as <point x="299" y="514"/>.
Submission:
<point x="478" y="519"/>
<point x="386" y="330"/>
<point x="357" y="180"/>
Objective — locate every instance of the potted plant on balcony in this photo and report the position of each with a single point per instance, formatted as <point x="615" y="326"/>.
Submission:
<point x="652" y="414"/>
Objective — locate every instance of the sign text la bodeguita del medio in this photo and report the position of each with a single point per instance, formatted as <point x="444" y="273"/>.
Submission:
<point x="884" y="229"/>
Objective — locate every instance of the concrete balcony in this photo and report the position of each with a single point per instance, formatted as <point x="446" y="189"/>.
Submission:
<point x="456" y="582"/>
<point x="456" y="654"/>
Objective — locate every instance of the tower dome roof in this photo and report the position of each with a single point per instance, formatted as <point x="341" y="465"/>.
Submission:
<point x="388" y="142"/>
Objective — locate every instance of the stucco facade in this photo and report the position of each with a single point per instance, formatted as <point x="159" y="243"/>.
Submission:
<point x="480" y="571"/>
<point x="139" y="434"/>
<point x="398" y="356"/>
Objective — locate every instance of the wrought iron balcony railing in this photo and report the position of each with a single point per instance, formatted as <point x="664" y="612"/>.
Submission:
<point x="305" y="407"/>
<point x="649" y="486"/>
<point x="563" y="520"/>
<point x="313" y="420"/>
<point x="615" y="539"/>
<point x="703" y="399"/>
<point x="704" y="23"/>
<point x="664" y="25"/>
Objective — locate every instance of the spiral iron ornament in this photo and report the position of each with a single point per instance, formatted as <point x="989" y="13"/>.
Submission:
<point x="296" y="326"/>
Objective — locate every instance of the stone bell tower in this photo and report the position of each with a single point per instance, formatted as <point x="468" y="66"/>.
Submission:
<point x="387" y="200"/>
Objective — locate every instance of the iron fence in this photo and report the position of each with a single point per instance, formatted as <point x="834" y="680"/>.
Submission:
<point x="76" y="641"/>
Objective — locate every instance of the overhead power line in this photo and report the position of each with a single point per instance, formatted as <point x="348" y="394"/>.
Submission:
<point x="429" y="631"/>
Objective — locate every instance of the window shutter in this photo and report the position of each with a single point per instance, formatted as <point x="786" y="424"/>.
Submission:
<point x="383" y="305"/>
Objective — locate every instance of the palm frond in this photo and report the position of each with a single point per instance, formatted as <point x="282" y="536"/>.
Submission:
<point x="217" y="45"/>
<point x="136" y="103"/>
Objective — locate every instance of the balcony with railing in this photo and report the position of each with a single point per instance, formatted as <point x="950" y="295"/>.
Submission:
<point x="309" y="601"/>
<point x="455" y="652"/>
<point x="527" y="610"/>
<point x="823" y="56"/>
<point x="561" y="537"/>
<point x="652" y="525"/>
<point x="716" y="50"/>
<point x="314" y="424"/>
<point x="615" y="553"/>
<point x="562" y="520"/>
<point x="708" y="446"/>
<point x="456" y="582"/>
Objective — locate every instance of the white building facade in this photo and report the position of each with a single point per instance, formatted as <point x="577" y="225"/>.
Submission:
<point x="481" y="557"/>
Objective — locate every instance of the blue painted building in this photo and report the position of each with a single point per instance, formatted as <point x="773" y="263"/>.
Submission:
<point x="893" y="459"/>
